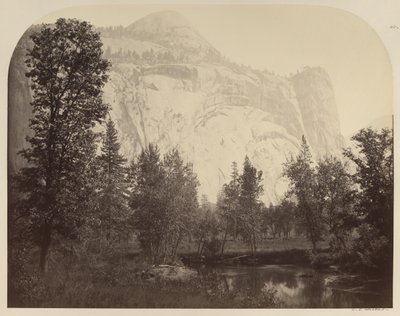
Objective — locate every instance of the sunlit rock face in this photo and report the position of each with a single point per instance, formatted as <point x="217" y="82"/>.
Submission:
<point x="169" y="86"/>
<point x="318" y="109"/>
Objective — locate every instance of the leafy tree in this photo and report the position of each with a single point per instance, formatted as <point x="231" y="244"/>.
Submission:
<point x="285" y="217"/>
<point x="250" y="190"/>
<point x="180" y="198"/>
<point x="373" y="157"/>
<point x="279" y="219"/>
<point x="67" y="73"/>
<point x="164" y="200"/>
<point x="113" y="208"/>
<point x="335" y="196"/>
<point x="269" y="220"/>
<point x="206" y="228"/>
<point x="301" y="174"/>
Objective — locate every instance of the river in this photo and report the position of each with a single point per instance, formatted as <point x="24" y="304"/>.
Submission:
<point x="303" y="287"/>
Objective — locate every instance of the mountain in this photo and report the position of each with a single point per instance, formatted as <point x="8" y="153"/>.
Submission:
<point x="171" y="30"/>
<point x="169" y="86"/>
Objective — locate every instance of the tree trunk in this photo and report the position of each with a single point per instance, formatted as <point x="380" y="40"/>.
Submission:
<point x="235" y="228"/>
<point x="199" y="246"/>
<point x="314" y="245"/>
<point x="224" y="240"/>
<point x="44" y="249"/>
<point x="164" y="260"/>
<point x="175" y="250"/>
<point x="254" y="242"/>
<point x="202" y="247"/>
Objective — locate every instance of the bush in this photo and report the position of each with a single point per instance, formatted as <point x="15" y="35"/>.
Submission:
<point x="367" y="249"/>
<point x="372" y="249"/>
<point x="267" y="299"/>
<point x="213" y="247"/>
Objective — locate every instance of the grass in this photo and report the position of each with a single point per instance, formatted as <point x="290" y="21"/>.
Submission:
<point x="104" y="284"/>
<point x="114" y="280"/>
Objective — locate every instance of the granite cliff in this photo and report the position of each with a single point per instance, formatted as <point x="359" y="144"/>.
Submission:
<point x="169" y="86"/>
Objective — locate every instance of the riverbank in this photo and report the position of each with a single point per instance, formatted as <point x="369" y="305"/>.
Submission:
<point x="237" y="279"/>
<point x="117" y="282"/>
<point x="292" y="256"/>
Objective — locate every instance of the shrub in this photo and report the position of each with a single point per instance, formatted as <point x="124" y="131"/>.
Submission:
<point x="372" y="249"/>
<point x="213" y="246"/>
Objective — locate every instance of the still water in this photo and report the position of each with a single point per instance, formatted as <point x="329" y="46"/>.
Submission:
<point x="299" y="286"/>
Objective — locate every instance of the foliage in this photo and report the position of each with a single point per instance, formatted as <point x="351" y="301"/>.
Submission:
<point x="228" y="206"/>
<point x="164" y="199"/>
<point x="146" y="200"/>
<point x="66" y="73"/>
<point x="180" y="196"/>
<point x="373" y="249"/>
<point x="335" y="197"/>
<point x="206" y="229"/>
<point x="213" y="246"/>
<point x="373" y="157"/>
<point x="112" y="209"/>
<point x="280" y="219"/>
<point x="122" y="286"/>
<point x="301" y="174"/>
<point x="251" y="189"/>
<point x="239" y="205"/>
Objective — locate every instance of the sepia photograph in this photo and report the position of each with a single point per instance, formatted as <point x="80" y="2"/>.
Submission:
<point x="222" y="156"/>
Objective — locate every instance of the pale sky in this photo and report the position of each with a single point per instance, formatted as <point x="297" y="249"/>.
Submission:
<point x="282" y="39"/>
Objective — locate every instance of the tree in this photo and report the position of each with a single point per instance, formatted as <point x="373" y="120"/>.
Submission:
<point x="228" y="205"/>
<point x="164" y="200"/>
<point x="206" y="228"/>
<point x="373" y="157"/>
<point x="278" y="219"/>
<point x="233" y="192"/>
<point x="147" y="200"/>
<point x="180" y="189"/>
<point x="250" y="190"/>
<point x="335" y="195"/>
<point x="113" y="208"/>
<point x="301" y="175"/>
<point x="285" y="217"/>
<point x="67" y="73"/>
<point x="269" y="220"/>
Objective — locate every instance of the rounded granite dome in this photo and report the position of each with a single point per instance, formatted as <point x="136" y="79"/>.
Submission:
<point x="170" y="29"/>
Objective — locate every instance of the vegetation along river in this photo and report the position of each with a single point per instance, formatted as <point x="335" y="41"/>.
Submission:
<point x="300" y="286"/>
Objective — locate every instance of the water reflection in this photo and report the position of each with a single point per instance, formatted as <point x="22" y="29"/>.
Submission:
<point x="299" y="286"/>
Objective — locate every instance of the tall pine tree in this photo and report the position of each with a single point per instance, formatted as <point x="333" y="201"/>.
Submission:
<point x="228" y="206"/>
<point x="147" y="178"/>
<point x="113" y="194"/>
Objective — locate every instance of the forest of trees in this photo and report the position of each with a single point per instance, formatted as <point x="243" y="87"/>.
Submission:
<point x="77" y="187"/>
